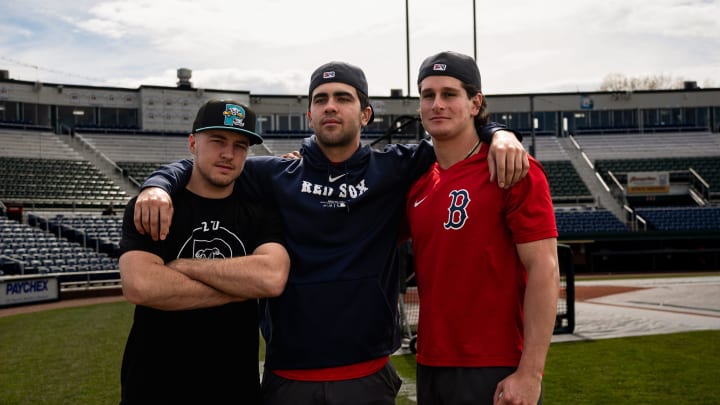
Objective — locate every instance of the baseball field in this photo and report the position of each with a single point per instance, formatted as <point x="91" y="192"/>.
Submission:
<point x="72" y="356"/>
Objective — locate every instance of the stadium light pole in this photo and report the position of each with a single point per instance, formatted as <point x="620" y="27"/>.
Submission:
<point x="474" y="33"/>
<point x="407" y="45"/>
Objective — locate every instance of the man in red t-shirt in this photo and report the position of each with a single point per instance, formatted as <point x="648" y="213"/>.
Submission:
<point x="486" y="257"/>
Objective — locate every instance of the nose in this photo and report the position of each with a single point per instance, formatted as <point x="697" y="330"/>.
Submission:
<point x="330" y="105"/>
<point x="227" y="152"/>
<point x="437" y="103"/>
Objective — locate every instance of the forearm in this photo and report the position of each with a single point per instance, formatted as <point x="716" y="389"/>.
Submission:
<point x="160" y="287"/>
<point x="540" y="307"/>
<point x="487" y="132"/>
<point x="170" y="177"/>
<point x="254" y="276"/>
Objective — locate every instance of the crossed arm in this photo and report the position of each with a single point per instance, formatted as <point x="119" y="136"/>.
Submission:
<point x="200" y="283"/>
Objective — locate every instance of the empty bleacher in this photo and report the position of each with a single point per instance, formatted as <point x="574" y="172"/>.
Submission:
<point x="681" y="218"/>
<point x="33" y="144"/>
<point x="99" y="232"/>
<point x="43" y="182"/>
<point x="30" y="250"/>
<point x="139" y="148"/>
<point x="565" y="183"/>
<point x="647" y="146"/>
<point x="671" y="152"/>
<point x="547" y="148"/>
<point x="139" y="171"/>
<point x="708" y="167"/>
<point x="571" y="221"/>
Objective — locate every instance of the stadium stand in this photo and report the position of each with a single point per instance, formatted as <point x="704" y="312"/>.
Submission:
<point x="587" y="220"/>
<point x="139" y="148"/>
<point x="708" y="167"/>
<point x="681" y="218"/>
<point x="39" y="182"/>
<point x="565" y="183"/>
<point x="34" y="144"/>
<point x="655" y="145"/>
<point x="59" y="170"/>
<point x="25" y="250"/>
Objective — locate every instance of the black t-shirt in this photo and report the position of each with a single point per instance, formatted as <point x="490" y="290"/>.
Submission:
<point x="207" y="355"/>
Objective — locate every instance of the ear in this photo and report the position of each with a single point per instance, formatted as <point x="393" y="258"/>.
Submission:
<point x="477" y="103"/>
<point x="365" y="115"/>
<point x="310" y="121"/>
<point x="192" y="144"/>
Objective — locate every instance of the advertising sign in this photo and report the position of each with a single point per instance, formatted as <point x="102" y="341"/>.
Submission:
<point x="29" y="290"/>
<point x="648" y="182"/>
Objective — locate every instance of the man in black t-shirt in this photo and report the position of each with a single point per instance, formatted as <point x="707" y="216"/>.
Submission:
<point x="194" y="337"/>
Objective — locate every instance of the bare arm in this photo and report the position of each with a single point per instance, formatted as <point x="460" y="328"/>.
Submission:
<point x="147" y="281"/>
<point x="262" y="274"/>
<point x="508" y="159"/>
<point x="153" y="213"/>
<point x="540" y="307"/>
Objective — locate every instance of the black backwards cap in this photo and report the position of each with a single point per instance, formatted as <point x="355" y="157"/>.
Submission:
<point x="227" y="114"/>
<point x="457" y="65"/>
<point x="344" y="73"/>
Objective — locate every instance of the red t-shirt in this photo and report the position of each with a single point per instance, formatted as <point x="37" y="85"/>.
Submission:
<point x="470" y="278"/>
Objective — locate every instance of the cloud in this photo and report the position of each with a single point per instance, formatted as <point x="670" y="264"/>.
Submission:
<point x="272" y="46"/>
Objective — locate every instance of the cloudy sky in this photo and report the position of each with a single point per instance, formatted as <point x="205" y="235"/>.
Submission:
<point x="272" y="46"/>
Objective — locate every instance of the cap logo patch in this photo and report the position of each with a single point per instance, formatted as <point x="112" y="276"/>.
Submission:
<point x="234" y="115"/>
<point x="440" y="66"/>
<point x="329" y="75"/>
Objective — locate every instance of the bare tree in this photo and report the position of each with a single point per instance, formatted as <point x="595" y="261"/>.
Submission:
<point x="620" y="82"/>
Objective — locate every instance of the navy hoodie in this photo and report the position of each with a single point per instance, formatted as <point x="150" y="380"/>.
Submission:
<point x="342" y="223"/>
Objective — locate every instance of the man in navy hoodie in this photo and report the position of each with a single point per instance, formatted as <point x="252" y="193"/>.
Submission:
<point x="330" y="334"/>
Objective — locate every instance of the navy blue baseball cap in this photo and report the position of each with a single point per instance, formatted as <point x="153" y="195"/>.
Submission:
<point x="344" y="73"/>
<point x="227" y="114"/>
<point x="448" y="63"/>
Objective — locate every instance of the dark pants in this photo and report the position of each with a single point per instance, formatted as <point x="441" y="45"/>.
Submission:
<point x="459" y="385"/>
<point x="380" y="388"/>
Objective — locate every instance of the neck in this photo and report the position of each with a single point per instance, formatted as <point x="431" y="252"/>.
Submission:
<point x="338" y="153"/>
<point x="451" y="151"/>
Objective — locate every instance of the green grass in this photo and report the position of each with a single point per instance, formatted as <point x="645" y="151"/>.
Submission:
<point x="63" y="356"/>
<point x="680" y="368"/>
<point x="72" y="356"/>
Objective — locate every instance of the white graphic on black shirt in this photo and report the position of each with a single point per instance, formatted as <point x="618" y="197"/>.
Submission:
<point x="212" y="241"/>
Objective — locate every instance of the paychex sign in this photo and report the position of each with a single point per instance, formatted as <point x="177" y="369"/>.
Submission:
<point x="29" y="290"/>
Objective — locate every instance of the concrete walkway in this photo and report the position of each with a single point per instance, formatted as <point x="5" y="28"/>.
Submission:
<point x="663" y="305"/>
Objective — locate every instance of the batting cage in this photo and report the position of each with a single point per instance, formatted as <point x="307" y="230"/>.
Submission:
<point x="409" y="303"/>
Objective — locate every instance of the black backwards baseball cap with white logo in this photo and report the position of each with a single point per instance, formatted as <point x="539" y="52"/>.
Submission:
<point x="227" y="114"/>
<point x="457" y="65"/>
<point x="344" y="73"/>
